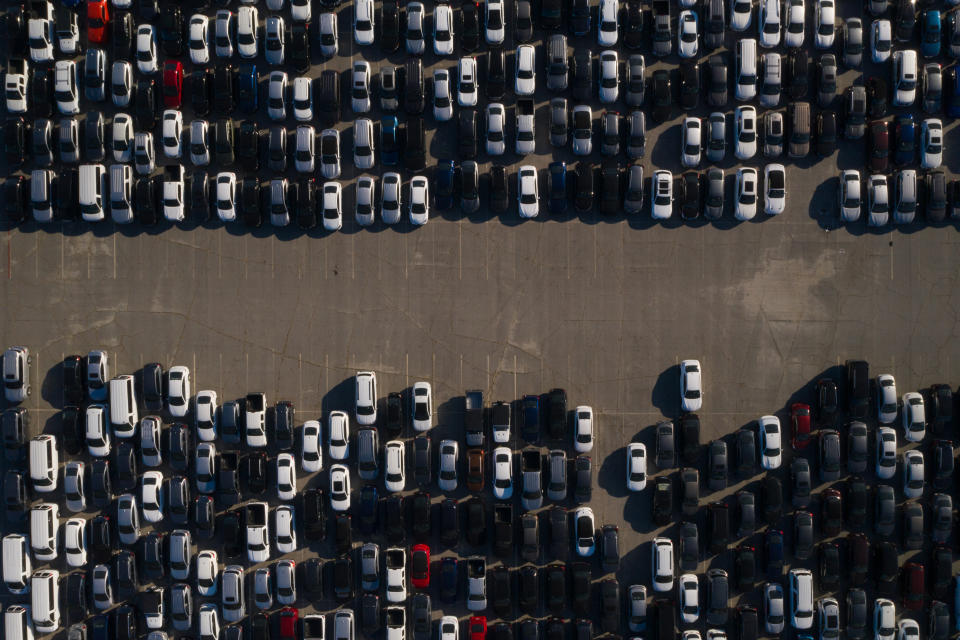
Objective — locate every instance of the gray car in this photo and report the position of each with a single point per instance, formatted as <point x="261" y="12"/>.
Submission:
<point x="800" y="481"/>
<point x="803" y="535"/>
<point x="885" y="511"/>
<point x="690" y="491"/>
<point x="610" y="136"/>
<point x="718" y="466"/>
<point x="636" y="69"/>
<point x="932" y="81"/>
<point x="855" y="107"/>
<point x="368" y="454"/>
<point x="370" y="566"/>
<point x="853" y="42"/>
<point x="747" y="507"/>
<point x="857" y="615"/>
<point x="857" y="447"/>
<point x="829" y="455"/>
<point x="912" y="526"/>
<point x="637" y="134"/>
<point x="718" y="595"/>
<point x="633" y="198"/>
<point x="772" y="134"/>
<point x="559" y="125"/>
<point x="716" y="137"/>
<point x="689" y="547"/>
<point x="557" y="464"/>
<point x="582" y="130"/>
<point x="181" y="607"/>
<point x="666" y="452"/>
<point x="942" y="517"/>
<point x="826" y="79"/>
<point x="713" y="198"/>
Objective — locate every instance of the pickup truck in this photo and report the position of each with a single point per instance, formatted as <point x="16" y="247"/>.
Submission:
<point x="40" y="31"/>
<point x="151" y="604"/>
<point x="314" y="626"/>
<point x="662" y="37"/>
<point x="503" y="529"/>
<point x="173" y="190"/>
<point x="255" y="419"/>
<point x="525" y="126"/>
<point x="531" y="468"/>
<point x="500" y="422"/>
<point x="473" y="418"/>
<point x="67" y="30"/>
<point x="476" y="584"/>
<point x="396" y="623"/>
<point x="396" y="560"/>
<point x="258" y="535"/>
<point x="16" y="85"/>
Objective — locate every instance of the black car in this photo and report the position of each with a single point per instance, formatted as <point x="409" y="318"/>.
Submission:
<point x="422" y="460"/>
<point x="126" y="463"/>
<point x="230" y="525"/>
<point x="717" y="81"/>
<point x="828" y="400"/>
<point x="886" y="567"/>
<point x="499" y="190"/>
<point x="772" y="495"/>
<point x="146" y="100"/>
<point x="65" y="202"/>
<point x="284" y="416"/>
<point x="151" y="386"/>
<point x="610" y="606"/>
<point x="662" y="500"/>
<point x="905" y="20"/>
<point x="475" y="521"/>
<point x="558" y="526"/>
<point x="15" y="135"/>
<point x="72" y="426"/>
<point x="121" y="35"/>
<point x="15" y="425"/>
<point x="223" y="83"/>
<point x="152" y="556"/>
<point x="101" y="483"/>
<point x="856" y="502"/>
<point x="610" y="547"/>
<point x="256" y="472"/>
<point x="610" y="198"/>
<point x="826" y="134"/>
<point x="467" y="133"/>
<point x="829" y="566"/>
<point x="203" y="517"/>
<point x="343" y="578"/>
<point x="662" y="96"/>
<point x="718" y="527"/>
<point x="313" y="514"/>
<point x="368" y="509"/>
<point x="585" y="191"/>
<point x="125" y="576"/>
<point x="632" y="27"/>
<point x="690" y="191"/>
<point x="124" y="620"/>
<point x="389" y="26"/>
<point x="876" y="97"/>
<point x="76" y="597"/>
<point x="101" y="538"/>
<point x="798" y="74"/>
<point x="171" y="31"/>
<point x="228" y="479"/>
<point x="470" y="25"/>
<point x="449" y="579"/>
<point x="180" y="446"/>
<point x="941" y="575"/>
<point x="496" y="74"/>
<point x="15" y="199"/>
<point x="248" y="146"/>
<point x="689" y="85"/>
<point x="370" y="613"/>
<point x="343" y="532"/>
<point x="689" y="435"/>
<point x="858" y="558"/>
<point x="449" y="522"/>
<point x="299" y="47"/>
<point x="580" y="588"/>
<point x="15" y="30"/>
<point x="305" y="208"/>
<point x="40" y="90"/>
<point x="394" y="518"/>
<point x="774" y="553"/>
<point x="200" y="88"/>
<point x="528" y="590"/>
<point x="313" y="577"/>
<point x="148" y="10"/>
<point x="199" y="196"/>
<point x="178" y="500"/>
<point x="259" y="627"/>
<point x="394" y="413"/>
<point x="420" y="515"/>
<point x="941" y="408"/>
<point x="582" y="75"/>
<point x="745" y="567"/>
<point x="501" y="596"/>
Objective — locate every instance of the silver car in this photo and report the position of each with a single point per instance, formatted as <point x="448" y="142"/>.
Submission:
<point x="370" y="566"/>
<point x="716" y="137"/>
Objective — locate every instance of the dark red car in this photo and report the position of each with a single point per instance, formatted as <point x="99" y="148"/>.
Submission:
<point x="800" y="424"/>
<point x="478" y="627"/>
<point x="172" y="84"/>
<point x="420" y="561"/>
<point x="913" y="585"/>
<point x="288" y="623"/>
<point x="878" y="150"/>
<point x="98" y="15"/>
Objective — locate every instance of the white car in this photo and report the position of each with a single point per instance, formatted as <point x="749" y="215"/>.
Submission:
<point x="608" y="23"/>
<point x="394" y="463"/>
<point x="447" y="474"/>
<point x="302" y="99"/>
<point x="247" y="21"/>
<point x="688" y="34"/>
<point x="908" y="629"/>
<point x="494" y="30"/>
<point x="286" y="477"/>
<point x="741" y="14"/>
<point x="526" y="76"/>
<point x="197" y="40"/>
<point x="339" y="487"/>
<point x="277" y="95"/>
<point x="330" y="154"/>
<point x="768" y="24"/>
<point x="661" y="202"/>
<point x="100" y="587"/>
<point x="200" y="143"/>
<point x="886" y="453"/>
<point x="609" y="77"/>
<point x="496" y="118"/>
<point x="301" y="10"/>
<point x="449" y="628"/>
<point x="775" y="189"/>
<point x="150" y="451"/>
<point x="226" y="196"/>
<point x="208" y="622"/>
<point x="311" y="454"/>
<point x="74" y="477"/>
<point x="363" y="22"/>
<point x="391" y="198"/>
<point x="636" y="466"/>
<point x="360" y="96"/>
<point x="502" y="473"/>
<point x="422" y="409"/>
<point x="794" y="33"/>
<point x="745" y="118"/>
<point x="232" y="590"/>
<point x="467" y="92"/>
<point x="690" y="142"/>
<point x="146" y="49"/>
<point x="207" y="570"/>
<point x="223" y="34"/>
<point x="329" y="35"/>
<point x="304" y="155"/>
<point x="884" y="619"/>
<point x="688" y="589"/>
<point x="771" y="447"/>
<point x="442" y="101"/>
<point x="881" y="41"/>
<point x="583" y="429"/>
<point x="396" y="575"/>
<point x="419" y="207"/>
<point x="263" y="588"/>
<point x="691" y="385"/>
<point x="773" y="608"/>
<point x="746" y="205"/>
<point x="931" y="137"/>
<point x="528" y="192"/>
<point x="850" y="200"/>
<point x="913" y="474"/>
<point x="914" y="417"/>
<point x="152" y="496"/>
<point x="887" y="408"/>
<point x="128" y="519"/>
<point x="144" y="158"/>
<point x="172" y="133"/>
<point x="178" y="391"/>
<point x="75" y="541"/>
<point x="662" y="564"/>
<point x="366" y="196"/>
<point x="286" y="536"/>
<point x="443" y="30"/>
<point x="338" y="434"/>
<point x="65" y="87"/>
<point x="878" y="200"/>
<point x="122" y="138"/>
<point x="416" y="43"/>
<point x="205" y="467"/>
<point x="286" y="582"/>
<point x="97" y="431"/>
<point x="826" y="24"/>
<point x="584" y="532"/>
<point x="206" y="415"/>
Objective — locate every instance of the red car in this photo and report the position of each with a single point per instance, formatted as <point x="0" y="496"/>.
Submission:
<point x="97" y="18"/>
<point x="288" y="623"/>
<point x="913" y="585"/>
<point x="800" y="421"/>
<point x="478" y="627"/>
<point x="421" y="566"/>
<point x="172" y="84"/>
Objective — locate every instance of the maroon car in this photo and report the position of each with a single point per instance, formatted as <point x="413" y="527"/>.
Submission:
<point x="878" y="149"/>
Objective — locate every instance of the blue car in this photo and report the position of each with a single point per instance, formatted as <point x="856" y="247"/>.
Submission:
<point x="906" y="140"/>
<point x="530" y="410"/>
<point x="558" y="187"/>
<point x="443" y="184"/>
<point x="930" y="38"/>
<point x="247" y="88"/>
<point x="389" y="148"/>
<point x="953" y="93"/>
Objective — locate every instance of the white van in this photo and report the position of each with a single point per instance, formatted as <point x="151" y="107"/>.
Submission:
<point x="41" y="181"/>
<point x="45" y="600"/>
<point x="16" y="564"/>
<point x="93" y="181"/>
<point x="121" y="190"/>
<point x="801" y="598"/>
<point x="746" y="85"/>
<point x="17" y="624"/>
<point x="366" y="405"/>
<point x="44" y="530"/>
<point x="123" y="407"/>
<point x="44" y="463"/>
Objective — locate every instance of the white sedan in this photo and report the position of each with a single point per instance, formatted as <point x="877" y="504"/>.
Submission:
<point x="745" y="118"/>
<point x="528" y="192"/>
<point x="467" y="94"/>
<point x="690" y="142"/>
<point x="689" y="588"/>
<point x="526" y="80"/>
<point x="419" y="201"/>
<point x="913" y="474"/>
<point x="286" y="535"/>
<point x="339" y="487"/>
<point x="311" y="455"/>
<point x="422" y="400"/>
<point x="363" y="17"/>
<point x="661" y="203"/>
<point x="771" y="448"/>
<point x="151" y="496"/>
<point x="775" y="189"/>
<point x="607" y="24"/>
<point x="178" y="391"/>
<point x="636" y="466"/>
<point x="495" y="31"/>
<point x="691" y="385"/>
<point x="394" y="464"/>
<point x="850" y="200"/>
<point x="206" y="415"/>
<point x="931" y="137"/>
<point x="207" y="570"/>
<point x="741" y="14"/>
<point x="75" y="541"/>
<point x="914" y="417"/>
<point x="338" y="435"/>
<point x="881" y="40"/>
<point x="826" y="24"/>
<point x="496" y="116"/>
<point x="584" y="532"/>
<point x="688" y="34"/>
<point x="442" y="103"/>
<point x="447" y="474"/>
<point x="198" y="39"/>
<point x="886" y="453"/>
<point x="769" y="23"/>
<point x="443" y="30"/>
<point x="502" y="473"/>
<point x="583" y="429"/>
<point x="746" y="205"/>
<point x="793" y="35"/>
<point x="286" y="477"/>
